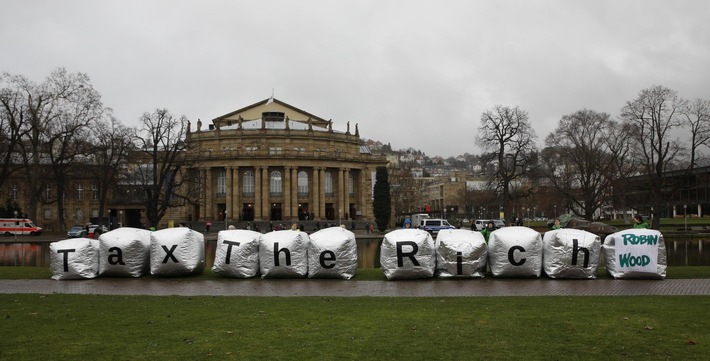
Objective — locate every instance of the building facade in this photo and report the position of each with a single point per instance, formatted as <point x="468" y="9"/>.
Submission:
<point x="271" y="161"/>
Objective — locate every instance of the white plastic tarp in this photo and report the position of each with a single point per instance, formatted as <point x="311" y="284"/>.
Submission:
<point x="177" y="251"/>
<point x="74" y="258"/>
<point x="332" y="253"/>
<point x="125" y="252"/>
<point x="408" y="254"/>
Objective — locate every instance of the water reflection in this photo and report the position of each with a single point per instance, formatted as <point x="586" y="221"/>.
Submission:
<point x="680" y="252"/>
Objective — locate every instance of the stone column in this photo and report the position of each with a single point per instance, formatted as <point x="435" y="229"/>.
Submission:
<point x="315" y="193"/>
<point x="228" y="193"/>
<point x="287" y="193"/>
<point x="294" y="193"/>
<point x="209" y="196"/>
<point x="321" y="193"/>
<point x="265" y="195"/>
<point x="346" y="192"/>
<point x="236" y="193"/>
<point x="341" y="194"/>
<point x="257" y="193"/>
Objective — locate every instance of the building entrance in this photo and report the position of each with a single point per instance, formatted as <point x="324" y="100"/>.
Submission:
<point x="275" y="211"/>
<point x="303" y="212"/>
<point x="248" y="212"/>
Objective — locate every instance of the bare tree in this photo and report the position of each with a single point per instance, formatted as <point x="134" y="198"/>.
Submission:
<point x="78" y="109"/>
<point x="49" y="117"/>
<point x="107" y="160"/>
<point x="161" y="176"/>
<point x="12" y="118"/>
<point x="506" y="137"/>
<point x="653" y="116"/>
<point x="697" y="117"/>
<point x="579" y="163"/>
<point x="406" y="189"/>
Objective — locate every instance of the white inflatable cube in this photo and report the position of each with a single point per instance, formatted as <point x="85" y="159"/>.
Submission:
<point x="332" y="253"/>
<point x="571" y="253"/>
<point x="125" y="252"/>
<point x="460" y="253"/>
<point x="283" y="254"/>
<point x="408" y="254"/>
<point x="237" y="253"/>
<point x="177" y="252"/>
<point x="635" y="253"/>
<point x="515" y="252"/>
<point x="75" y="258"/>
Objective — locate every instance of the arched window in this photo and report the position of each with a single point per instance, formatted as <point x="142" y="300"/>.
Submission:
<point x="222" y="181"/>
<point x="275" y="183"/>
<point x="248" y="187"/>
<point x="328" y="183"/>
<point x="302" y="183"/>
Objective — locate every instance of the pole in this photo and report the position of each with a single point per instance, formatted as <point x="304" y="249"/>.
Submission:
<point x="15" y="232"/>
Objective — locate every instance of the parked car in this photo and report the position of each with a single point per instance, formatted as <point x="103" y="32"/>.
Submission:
<point x="93" y="230"/>
<point x="433" y="226"/>
<point x="77" y="232"/>
<point x="480" y="224"/>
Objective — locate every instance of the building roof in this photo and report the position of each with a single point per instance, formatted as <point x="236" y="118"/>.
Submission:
<point x="253" y="113"/>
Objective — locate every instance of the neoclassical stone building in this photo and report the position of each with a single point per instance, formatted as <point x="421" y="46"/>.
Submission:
<point x="271" y="161"/>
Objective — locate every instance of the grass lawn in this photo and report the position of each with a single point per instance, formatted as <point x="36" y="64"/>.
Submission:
<point x="362" y="274"/>
<point x="88" y="327"/>
<point x="91" y="327"/>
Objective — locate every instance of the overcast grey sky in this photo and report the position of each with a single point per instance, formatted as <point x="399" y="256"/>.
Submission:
<point x="411" y="73"/>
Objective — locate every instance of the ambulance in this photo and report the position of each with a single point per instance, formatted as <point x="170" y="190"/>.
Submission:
<point x="18" y="226"/>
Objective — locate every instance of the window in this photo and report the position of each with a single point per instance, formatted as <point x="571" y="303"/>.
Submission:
<point x="47" y="213"/>
<point x="275" y="151"/>
<point x="222" y="182"/>
<point x="15" y="192"/>
<point x="302" y="183"/>
<point x="94" y="193"/>
<point x="351" y="184"/>
<point x="94" y="212"/>
<point x="275" y="183"/>
<point x="47" y="192"/>
<point x="80" y="191"/>
<point x="328" y="184"/>
<point x="248" y="187"/>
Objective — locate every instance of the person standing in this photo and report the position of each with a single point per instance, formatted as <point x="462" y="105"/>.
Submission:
<point x="490" y="227"/>
<point x="640" y="223"/>
<point x="557" y="224"/>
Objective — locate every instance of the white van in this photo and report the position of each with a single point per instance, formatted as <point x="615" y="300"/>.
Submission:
<point x="480" y="224"/>
<point x="18" y="226"/>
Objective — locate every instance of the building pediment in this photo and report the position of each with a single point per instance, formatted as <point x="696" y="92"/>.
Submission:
<point x="271" y="109"/>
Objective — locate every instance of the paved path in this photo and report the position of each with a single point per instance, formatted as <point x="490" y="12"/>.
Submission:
<point x="343" y="288"/>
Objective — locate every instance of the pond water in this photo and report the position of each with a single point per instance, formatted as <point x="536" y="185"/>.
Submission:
<point x="680" y="252"/>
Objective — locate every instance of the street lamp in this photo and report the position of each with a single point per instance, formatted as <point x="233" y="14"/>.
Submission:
<point x="528" y="217"/>
<point x="225" y="218"/>
<point x="685" y="215"/>
<point x="555" y="211"/>
<point x="120" y="216"/>
<point x="15" y="232"/>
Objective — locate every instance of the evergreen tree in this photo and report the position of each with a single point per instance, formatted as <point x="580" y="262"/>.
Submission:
<point x="382" y="203"/>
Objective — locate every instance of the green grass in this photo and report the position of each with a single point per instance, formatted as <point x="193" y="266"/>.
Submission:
<point x="87" y="327"/>
<point x="82" y="327"/>
<point x="362" y="274"/>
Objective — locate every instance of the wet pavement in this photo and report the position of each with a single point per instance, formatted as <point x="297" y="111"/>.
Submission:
<point x="349" y="288"/>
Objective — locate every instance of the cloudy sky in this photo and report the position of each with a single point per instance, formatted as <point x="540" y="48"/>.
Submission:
<point x="411" y="73"/>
